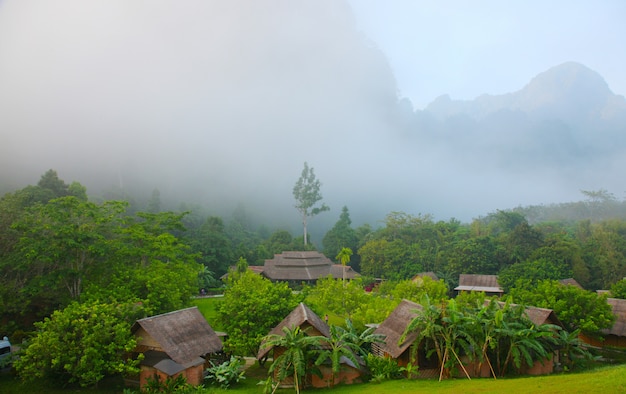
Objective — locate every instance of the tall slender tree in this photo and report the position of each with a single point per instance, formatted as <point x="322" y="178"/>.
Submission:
<point x="307" y="193"/>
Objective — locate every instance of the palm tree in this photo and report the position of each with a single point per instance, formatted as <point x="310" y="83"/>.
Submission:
<point x="344" y="258"/>
<point x="298" y="350"/>
<point x="363" y="340"/>
<point x="338" y="346"/>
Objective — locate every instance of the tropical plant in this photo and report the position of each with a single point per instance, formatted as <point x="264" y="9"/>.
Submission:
<point x="382" y="368"/>
<point x="338" y="346"/>
<point x="227" y="373"/>
<point x="298" y="350"/>
<point x="344" y="257"/>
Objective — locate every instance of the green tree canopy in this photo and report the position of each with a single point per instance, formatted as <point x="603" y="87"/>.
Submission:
<point x="578" y="309"/>
<point x="251" y="307"/>
<point x="340" y="236"/>
<point x="82" y="344"/>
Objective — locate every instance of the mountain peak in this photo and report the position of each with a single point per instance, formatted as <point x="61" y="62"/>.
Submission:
<point x="567" y="91"/>
<point x="568" y="86"/>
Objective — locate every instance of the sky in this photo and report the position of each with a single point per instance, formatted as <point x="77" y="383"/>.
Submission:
<point x="221" y="102"/>
<point x="469" y="48"/>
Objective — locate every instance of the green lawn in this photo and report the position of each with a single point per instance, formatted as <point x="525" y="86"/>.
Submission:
<point x="208" y="307"/>
<point x="606" y="380"/>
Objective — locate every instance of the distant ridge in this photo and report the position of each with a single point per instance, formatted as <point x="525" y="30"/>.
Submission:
<point x="569" y="91"/>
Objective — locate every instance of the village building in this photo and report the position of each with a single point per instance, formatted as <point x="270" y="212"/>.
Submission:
<point x="571" y="282"/>
<point x="392" y="330"/>
<point x="304" y="267"/>
<point x="430" y="274"/>
<point x="173" y="344"/>
<point x="616" y="335"/>
<point x="311" y="324"/>
<point x="487" y="284"/>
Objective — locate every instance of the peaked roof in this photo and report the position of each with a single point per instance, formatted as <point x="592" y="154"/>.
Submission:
<point x="430" y="274"/>
<point x="184" y="335"/>
<point x="300" y="315"/>
<point x="570" y="281"/>
<point x="537" y="315"/>
<point x="304" y="266"/>
<point x="475" y="282"/>
<point x="618" y="306"/>
<point x="394" y="325"/>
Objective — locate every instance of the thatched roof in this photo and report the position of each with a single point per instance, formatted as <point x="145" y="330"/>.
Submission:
<point x="183" y="335"/>
<point x="537" y="315"/>
<point x="474" y="282"/>
<point x="303" y="266"/>
<point x="302" y="316"/>
<point x="618" y="306"/>
<point x="393" y="327"/>
<point x="430" y="274"/>
<point x="570" y="281"/>
<point x="161" y="362"/>
<point x="336" y="270"/>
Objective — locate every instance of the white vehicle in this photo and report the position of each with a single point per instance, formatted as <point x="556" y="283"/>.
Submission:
<point x="5" y="352"/>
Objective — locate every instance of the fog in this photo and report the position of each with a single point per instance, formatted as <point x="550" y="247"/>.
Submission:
<point x="221" y="102"/>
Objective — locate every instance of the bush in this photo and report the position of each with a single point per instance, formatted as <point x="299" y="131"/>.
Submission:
<point x="227" y="373"/>
<point x="383" y="368"/>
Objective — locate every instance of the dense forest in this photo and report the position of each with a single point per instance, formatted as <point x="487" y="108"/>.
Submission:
<point x="58" y="245"/>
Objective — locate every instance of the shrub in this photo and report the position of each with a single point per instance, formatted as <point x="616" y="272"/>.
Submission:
<point x="383" y="368"/>
<point x="227" y="373"/>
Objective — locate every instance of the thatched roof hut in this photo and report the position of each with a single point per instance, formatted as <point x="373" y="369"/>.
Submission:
<point x="302" y="316"/>
<point x="393" y="327"/>
<point x="618" y="306"/>
<point x="421" y="275"/>
<point x="474" y="282"/>
<point x="536" y="315"/>
<point x="304" y="266"/>
<point x="175" y="343"/>
<point x="571" y="282"/>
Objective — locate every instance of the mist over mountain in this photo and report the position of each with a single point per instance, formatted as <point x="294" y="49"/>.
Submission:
<point x="565" y="122"/>
<point x="221" y="103"/>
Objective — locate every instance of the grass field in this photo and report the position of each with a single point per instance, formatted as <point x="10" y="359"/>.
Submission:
<point x="607" y="380"/>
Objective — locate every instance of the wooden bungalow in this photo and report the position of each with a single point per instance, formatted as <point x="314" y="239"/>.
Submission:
<point x="311" y="324"/>
<point x="392" y="329"/>
<point x="487" y="284"/>
<point x="616" y="335"/>
<point x="175" y="343"/>
<point x="305" y="266"/>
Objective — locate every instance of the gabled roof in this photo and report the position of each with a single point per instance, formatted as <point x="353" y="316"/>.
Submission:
<point x="537" y="315"/>
<point x="618" y="306"/>
<point x="430" y="274"/>
<point x="475" y="282"/>
<point x="301" y="315"/>
<point x="303" y="266"/>
<point x="161" y="362"/>
<point x="393" y="327"/>
<point x="570" y="281"/>
<point x="183" y="335"/>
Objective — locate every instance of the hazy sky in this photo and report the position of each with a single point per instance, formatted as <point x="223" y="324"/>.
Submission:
<point x="468" y="48"/>
<point x="223" y="101"/>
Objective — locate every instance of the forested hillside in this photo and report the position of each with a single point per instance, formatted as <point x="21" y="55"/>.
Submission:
<point x="57" y="246"/>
